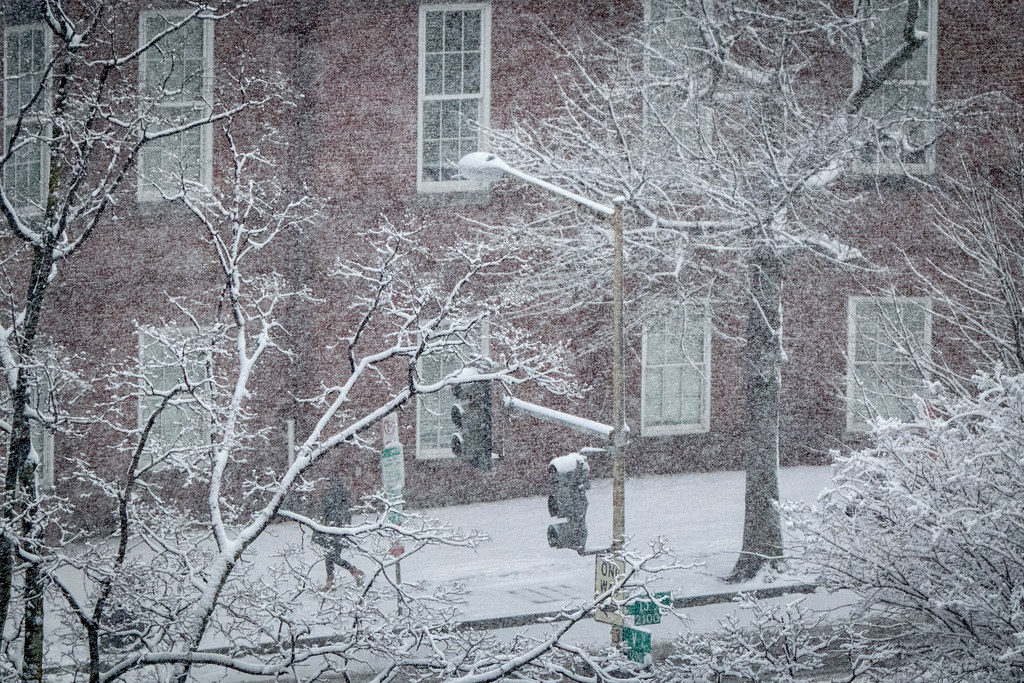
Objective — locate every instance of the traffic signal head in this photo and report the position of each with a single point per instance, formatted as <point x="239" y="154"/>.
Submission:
<point x="471" y="415"/>
<point x="568" y="500"/>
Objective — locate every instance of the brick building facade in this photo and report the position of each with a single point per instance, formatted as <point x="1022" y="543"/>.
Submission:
<point x="383" y="96"/>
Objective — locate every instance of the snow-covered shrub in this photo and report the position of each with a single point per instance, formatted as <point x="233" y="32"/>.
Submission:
<point x="764" y="642"/>
<point x="923" y="532"/>
<point x="926" y="527"/>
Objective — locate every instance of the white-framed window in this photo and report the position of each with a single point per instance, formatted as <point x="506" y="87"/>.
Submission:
<point x="176" y="83"/>
<point x="900" y="109"/>
<point x="170" y="358"/>
<point x="454" y="91"/>
<point x="434" y="426"/>
<point x="42" y="400"/>
<point x="26" y="173"/>
<point x="675" y="390"/>
<point x="42" y="443"/>
<point x="888" y="342"/>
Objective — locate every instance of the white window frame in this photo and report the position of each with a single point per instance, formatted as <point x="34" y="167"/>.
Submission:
<point x="42" y="442"/>
<point x="10" y="118"/>
<point x="146" y="402"/>
<point x="422" y="451"/>
<point x="41" y="435"/>
<point x="428" y="186"/>
<point x="704" y="122"/>
<point x="445" y="452"/>
<point x="147" y="191"/>
<point x="855" y="421"/>
<point x="705" y="413"/>
<point x="879" y="167"/>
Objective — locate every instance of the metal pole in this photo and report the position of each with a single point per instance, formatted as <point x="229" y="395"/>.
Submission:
<point x="618" y="390"/>
<point x="618" y="401"/>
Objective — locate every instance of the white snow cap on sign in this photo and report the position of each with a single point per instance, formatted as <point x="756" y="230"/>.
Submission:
<point x="568" y="463"/>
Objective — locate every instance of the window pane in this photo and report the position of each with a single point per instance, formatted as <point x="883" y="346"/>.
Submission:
<point x="450" y="155"/>
<point x="174" y="65"/>
<point x="692" y="395"/>
<point x="451" y="112"/>
<point x="472" y="30"/>
<point x="432" y="120"/>
<point x="452" y="31"/>
<point x="652" y="396"/>
<point x="674" y="374"/>
<point x="23" y="172"/>
<point x="26" y="64"/>
<point x="434" y="32"/>
<point x="434" y="74"/>
<point x="470" y="111"/>
<point x="693" y="342"/>
<point x="471" y="64"/>
<point x="181" y="423"/>
<point x="672" y="399"/>
<point x="453" y="74"/>
<point x="888" y="334"/>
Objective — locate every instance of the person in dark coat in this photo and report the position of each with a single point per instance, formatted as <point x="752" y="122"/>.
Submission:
<point x="337" y="513"/>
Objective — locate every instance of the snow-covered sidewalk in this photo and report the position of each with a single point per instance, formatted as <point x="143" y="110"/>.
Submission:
<point x="515" y="572"/>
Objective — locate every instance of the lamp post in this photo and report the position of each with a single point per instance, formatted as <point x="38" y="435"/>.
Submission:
<point x="487" y="167"/>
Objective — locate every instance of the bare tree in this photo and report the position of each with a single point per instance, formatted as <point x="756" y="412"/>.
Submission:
<point x="174" y="588"/>
<point x="726" y="147"/>
<point x="75" y="129"/>
<point x="974" y="285"/>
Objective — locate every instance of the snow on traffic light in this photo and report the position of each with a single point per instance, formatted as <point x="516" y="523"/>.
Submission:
<point x="570" y="475"/>
<point x="471" y="415"/>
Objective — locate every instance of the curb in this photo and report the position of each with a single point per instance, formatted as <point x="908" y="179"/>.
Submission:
<point x="492" y="623"/>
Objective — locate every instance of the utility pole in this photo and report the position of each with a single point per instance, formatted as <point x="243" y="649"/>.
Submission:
<point x="618" y="400"/>
<point x="487" y="167"/>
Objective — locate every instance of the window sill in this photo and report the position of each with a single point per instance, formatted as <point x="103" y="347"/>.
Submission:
<point x="445" y="186"/>
<point x="682" y="430"/>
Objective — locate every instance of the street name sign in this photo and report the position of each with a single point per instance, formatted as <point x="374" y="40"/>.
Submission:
<point x="392" y="468"/>
<point x="638" y="641"/>
<point x="647" y="612"/>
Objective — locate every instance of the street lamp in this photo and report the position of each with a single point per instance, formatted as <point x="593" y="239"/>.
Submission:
<point x="487" y="167"/>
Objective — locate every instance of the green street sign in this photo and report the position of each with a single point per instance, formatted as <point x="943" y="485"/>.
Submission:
<point x="637" y="656"/>
<point x="643" y="607"/>
<point x="646" y="618"/>
<point x="647" y="612"/>
<point x="636" y="639"/>
<point x="392" y="470"/>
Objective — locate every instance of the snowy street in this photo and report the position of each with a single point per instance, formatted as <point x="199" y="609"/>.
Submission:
<point x="700" y="516"/>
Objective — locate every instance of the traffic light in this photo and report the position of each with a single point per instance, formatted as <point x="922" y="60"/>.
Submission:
<point x="471" y="415"/>
<point x="570" y="476"/>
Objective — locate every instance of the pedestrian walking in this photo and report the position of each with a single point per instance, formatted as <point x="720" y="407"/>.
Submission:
<point x="337" y="513"/>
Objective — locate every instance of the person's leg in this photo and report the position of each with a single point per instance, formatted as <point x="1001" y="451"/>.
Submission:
<point x="356" y="573"/>
<point x="329" y="562"/>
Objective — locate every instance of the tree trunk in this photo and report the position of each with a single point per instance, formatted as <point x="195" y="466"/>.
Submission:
<point x="26" y="502"/>
<point x="32" y="670"/>
<point x="762" y="532"/>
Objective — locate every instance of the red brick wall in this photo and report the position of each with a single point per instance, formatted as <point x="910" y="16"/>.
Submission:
<point x="351" y="137"/>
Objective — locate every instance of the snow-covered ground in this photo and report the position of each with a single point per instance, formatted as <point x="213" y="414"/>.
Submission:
<point x="700" y="516"/>
<point x="515" y="572"/>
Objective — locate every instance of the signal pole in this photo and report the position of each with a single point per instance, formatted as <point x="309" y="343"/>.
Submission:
<point x="618" y="400"/>
<point x="487" y="167"/>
